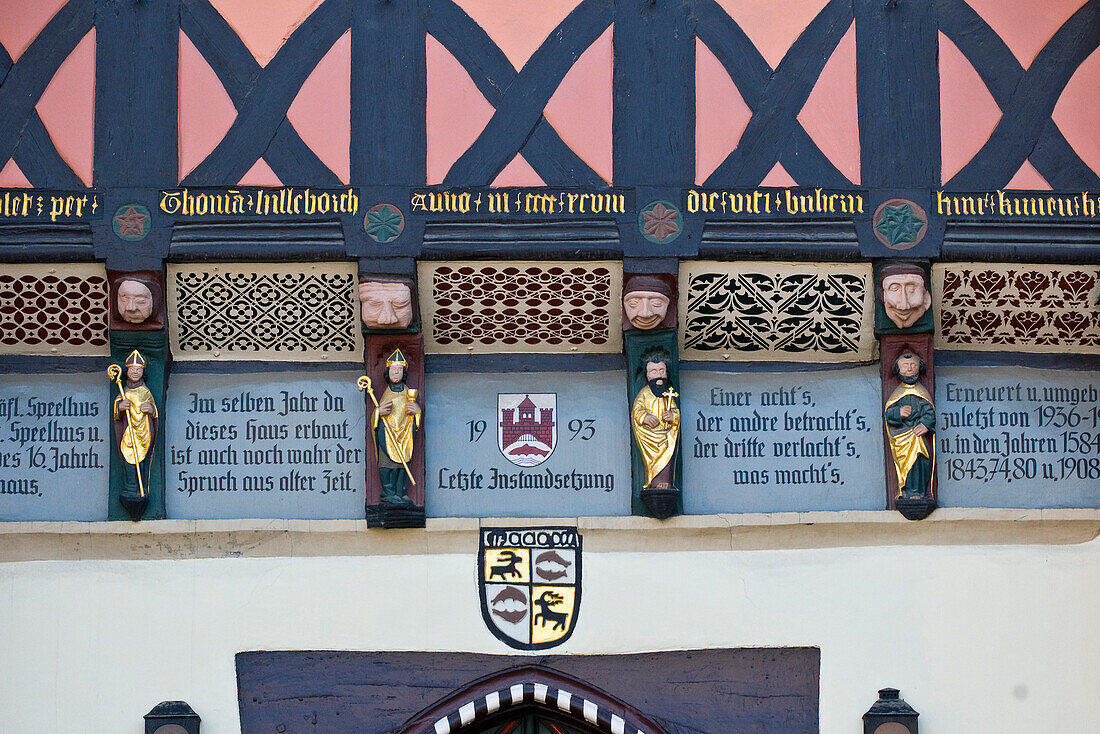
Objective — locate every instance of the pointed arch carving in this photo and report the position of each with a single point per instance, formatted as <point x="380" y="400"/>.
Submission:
<point x="530" y="688"/>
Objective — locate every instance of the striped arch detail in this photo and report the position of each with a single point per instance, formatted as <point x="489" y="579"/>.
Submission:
<point x="526" y="693"/>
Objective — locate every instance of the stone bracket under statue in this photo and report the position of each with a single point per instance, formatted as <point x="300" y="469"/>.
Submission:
<point x="395" y="491"/>
<point x="653" y="501"/>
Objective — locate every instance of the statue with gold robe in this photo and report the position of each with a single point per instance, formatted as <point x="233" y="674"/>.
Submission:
<point x="395" y="422"/>
<point x="655" y="420"/>
<point x="135" y="419"/>
<point x="910" y="420"/>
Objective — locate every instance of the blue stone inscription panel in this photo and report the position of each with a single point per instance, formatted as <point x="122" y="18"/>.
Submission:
<point x="548" y="444"/>
<point x="266" y="445"/>
<point x="54" y="446"/>
<point x="782" y="442"/>
<point x="1017" y="437"/>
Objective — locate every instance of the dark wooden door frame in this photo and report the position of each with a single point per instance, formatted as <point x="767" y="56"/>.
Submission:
<point x="530" y="688"/>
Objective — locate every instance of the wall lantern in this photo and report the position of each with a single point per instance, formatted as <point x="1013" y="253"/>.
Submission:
<point x="890" y="715"/>
<point x="172" y="717"/>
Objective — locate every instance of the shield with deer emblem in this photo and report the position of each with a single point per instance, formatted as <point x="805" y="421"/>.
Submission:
<point x="530" y="584"/>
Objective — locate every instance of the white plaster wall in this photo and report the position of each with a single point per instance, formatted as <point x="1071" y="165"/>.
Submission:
<point x="980" y="639"/>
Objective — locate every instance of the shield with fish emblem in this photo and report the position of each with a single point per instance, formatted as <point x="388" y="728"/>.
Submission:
<point x="526" y="430"/>
<point x="530" y="584"/>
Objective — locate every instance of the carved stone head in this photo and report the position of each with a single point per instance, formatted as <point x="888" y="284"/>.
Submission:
<point x="904" y="292"/>
<point x="137" y="300"/>
<point x="645" y="301"/>
<point x="653" y="369"/>
<point x="134" y="300"/>
<point x="135" y="368"/>
<point x="386" y="304"/>
<point x="908" y="367"/>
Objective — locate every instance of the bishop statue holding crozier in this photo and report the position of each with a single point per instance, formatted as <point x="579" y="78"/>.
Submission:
<point x="395" y="421"/>
<point x="135" y="419"/>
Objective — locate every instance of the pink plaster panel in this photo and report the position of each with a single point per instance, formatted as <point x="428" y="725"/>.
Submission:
<point x="1077" y="113"/>
<point x="456" y="110"/>
<point x="21" y="20"/>
<point x="11" y="177"/>
<point x="263" y="25"/>
<point x="1029" y="179"/>
<point x="968" y="112"/>
<point x="321" y="113"/>
<point x="260" y="175"/>
<point x="67" y="108"/>
<point x="778" y="176"/>
<point x="721" y="114"/>
<point x="580" y="109"/>
<point x="205" y="110"/>
<point x="1025" y="25"/>
<point x="518" y="172"/>
<point x="830" y="115"/>
<point x="518" y="27"/>
<point x="773" y="25"/>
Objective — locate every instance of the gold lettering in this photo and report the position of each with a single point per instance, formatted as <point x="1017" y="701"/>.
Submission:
<point x="1088" y="204"/>
<point x="57" y="207"/>
<point x="693" y="201"/>
<point x="499" y="202"/>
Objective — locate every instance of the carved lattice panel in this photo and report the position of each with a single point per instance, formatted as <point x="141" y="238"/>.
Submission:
<point x="819" y="312"/>
<point x="53" y="309"/>
<point x="258" y="311"/>
<point x="1017" y="307"/>
<point x="558" y="307"/>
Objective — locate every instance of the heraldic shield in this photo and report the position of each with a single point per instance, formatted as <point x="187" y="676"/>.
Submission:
<point x="530" y="584"/>
<point x="527" y="432"/>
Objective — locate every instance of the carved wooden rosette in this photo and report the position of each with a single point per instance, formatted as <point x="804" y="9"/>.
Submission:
<point x="153" y="347"/>
<point x="893" y="346"/>
<point x="378" y="348"/>
<point x="153" y="281"/>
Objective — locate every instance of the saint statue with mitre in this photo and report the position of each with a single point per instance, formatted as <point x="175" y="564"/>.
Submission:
<point x="394" y="422"/>
<point x="135" y="418"/>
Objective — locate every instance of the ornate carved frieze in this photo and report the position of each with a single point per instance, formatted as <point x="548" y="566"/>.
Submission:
<point x="1017" y="307"/>
<point x="471" y="307"/>
<point x="819" y="312"/>
<point x="294" y="312"/>
<point x="55" y="308"/>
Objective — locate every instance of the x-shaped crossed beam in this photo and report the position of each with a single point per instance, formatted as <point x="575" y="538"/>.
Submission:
<point x="22" y="134"/>
<point x="287" y="154"/>
<point x="1026" y="98"/>
<point x="263" y="96"/>
<point x="518" y="124"/>
<point x="775" y="97"/>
